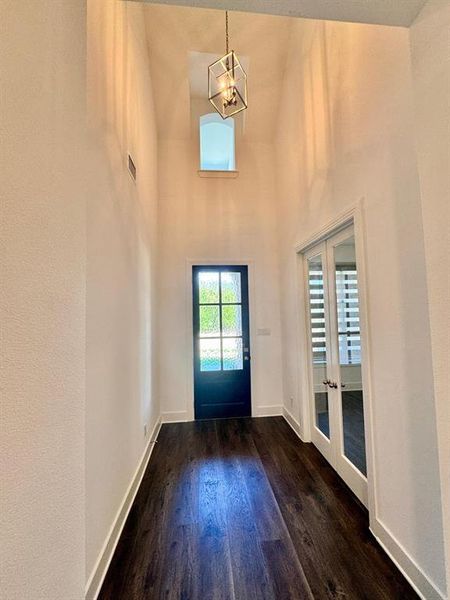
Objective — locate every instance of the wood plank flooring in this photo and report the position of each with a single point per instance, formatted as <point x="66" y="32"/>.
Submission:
<point x="241" y="509"/>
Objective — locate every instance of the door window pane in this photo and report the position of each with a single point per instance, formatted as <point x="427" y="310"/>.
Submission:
<point x="209" y="354"/>
<point x="318" y="344"/>
<point x="231" y="287"/>
<point x="232" y="354"/>
<point x="350" y="353"/>
<point x="208" y="284"/>
<point x="231" y="320"/>
<point x="209" y="321"/>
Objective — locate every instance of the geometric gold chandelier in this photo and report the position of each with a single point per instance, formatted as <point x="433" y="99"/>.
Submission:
<point x="227" y="82"/>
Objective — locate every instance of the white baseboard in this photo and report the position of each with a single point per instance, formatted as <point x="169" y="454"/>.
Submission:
<point x="273" y="410"/>
<point x="175" y="416"/>
<point x="295" y="425"/>
<point x="182" y="416"/>
<point x="425" y="588"/>
<point x="422" y="584"/>
<point x="97" y="576"/>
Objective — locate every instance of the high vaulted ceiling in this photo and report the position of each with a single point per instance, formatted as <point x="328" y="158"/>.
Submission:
<point x="381" y="12"/>
<point x="175" y="33"/>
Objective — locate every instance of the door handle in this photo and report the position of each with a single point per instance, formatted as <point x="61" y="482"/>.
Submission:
<point x="331" y="384"/>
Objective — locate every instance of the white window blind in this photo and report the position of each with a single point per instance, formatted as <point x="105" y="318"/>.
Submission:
<point x="347" y="315"/>
<point x="317" y="315"/>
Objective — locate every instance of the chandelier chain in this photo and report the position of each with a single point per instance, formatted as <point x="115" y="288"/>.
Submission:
<point x="226" y="31"/>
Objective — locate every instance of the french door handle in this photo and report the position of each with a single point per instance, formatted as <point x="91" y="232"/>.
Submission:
<point x="333" y="385"/>
<point x="326" y="382"/>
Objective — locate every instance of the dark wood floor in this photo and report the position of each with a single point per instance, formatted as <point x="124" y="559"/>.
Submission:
<point x="241" y="509"/>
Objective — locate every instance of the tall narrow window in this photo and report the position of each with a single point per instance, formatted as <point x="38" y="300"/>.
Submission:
<point x="216" y="143"/>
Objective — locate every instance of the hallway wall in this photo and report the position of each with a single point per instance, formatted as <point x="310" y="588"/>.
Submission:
<point x="43" y="269"/>
<point x="121" y="269"/>
<point x="430" y="50"/>
<point x="345" y="136"/>
<point x="216" y="220"/>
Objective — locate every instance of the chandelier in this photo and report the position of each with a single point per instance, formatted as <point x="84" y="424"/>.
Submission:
<point x="227" y="82"/>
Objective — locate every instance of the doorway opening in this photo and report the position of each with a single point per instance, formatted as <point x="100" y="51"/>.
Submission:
<point x="222" y="374"/>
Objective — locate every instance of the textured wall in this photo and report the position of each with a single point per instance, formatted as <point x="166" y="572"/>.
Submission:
<point x="121" y="263"/>
<point x="223" y="220"/>
<point x="43" y="273"/>
<point x="430" y="49"/>
<point x="346" y="133"/>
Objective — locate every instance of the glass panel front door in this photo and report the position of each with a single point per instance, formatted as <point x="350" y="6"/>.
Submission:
<point x="221" y="342"/>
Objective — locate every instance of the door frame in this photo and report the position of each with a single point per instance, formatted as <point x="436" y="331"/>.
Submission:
<point x="353" y="215"/>
<point x="320" y="440"/>
<point x="208" y="262"/>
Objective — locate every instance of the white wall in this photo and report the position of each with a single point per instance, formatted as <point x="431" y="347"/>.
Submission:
<point x="121" y="268"/>
<point x="43" y="256"/>
<point x="430" y="49"/>
<point x="216" y="220"/>
<point x="346" y="135"/>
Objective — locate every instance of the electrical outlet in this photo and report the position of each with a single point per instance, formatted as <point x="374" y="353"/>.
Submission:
<point x="145" y="429"/>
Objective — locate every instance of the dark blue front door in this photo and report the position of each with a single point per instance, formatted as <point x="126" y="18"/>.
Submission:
<point x="221" y="342"/>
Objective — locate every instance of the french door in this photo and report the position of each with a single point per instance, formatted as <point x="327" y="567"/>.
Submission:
<point x="336" y="391"/>
<point x="221" y="342"/>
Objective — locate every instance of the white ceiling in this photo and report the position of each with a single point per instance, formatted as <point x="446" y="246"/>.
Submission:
<point x="382" y="12"/>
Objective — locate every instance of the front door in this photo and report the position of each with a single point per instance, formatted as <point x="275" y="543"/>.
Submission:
<point x="221" y="342"/>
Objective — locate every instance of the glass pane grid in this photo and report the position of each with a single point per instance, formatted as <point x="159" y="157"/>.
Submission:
<point x="230" y="288"/>
<point x="209" y="321"/>
<point x="208" y="287"/>
<point x="220" y="321"/>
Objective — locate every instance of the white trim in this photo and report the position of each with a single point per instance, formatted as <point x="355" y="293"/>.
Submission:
<point x="302" y="374"/>
<point x="104" y="558"/>
<point x="209" y="173"/>
<point x="421" y="583"/>
<point x="332" y="227"/>
<point x="293" y="423"/>
<point x="175" y="416"/>
<point x="273" y="410"/>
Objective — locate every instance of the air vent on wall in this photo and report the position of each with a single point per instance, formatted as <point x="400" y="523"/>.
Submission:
<point x="132" y="167"/>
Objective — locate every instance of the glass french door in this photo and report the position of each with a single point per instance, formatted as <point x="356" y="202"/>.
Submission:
<point x="337" y="397"/>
